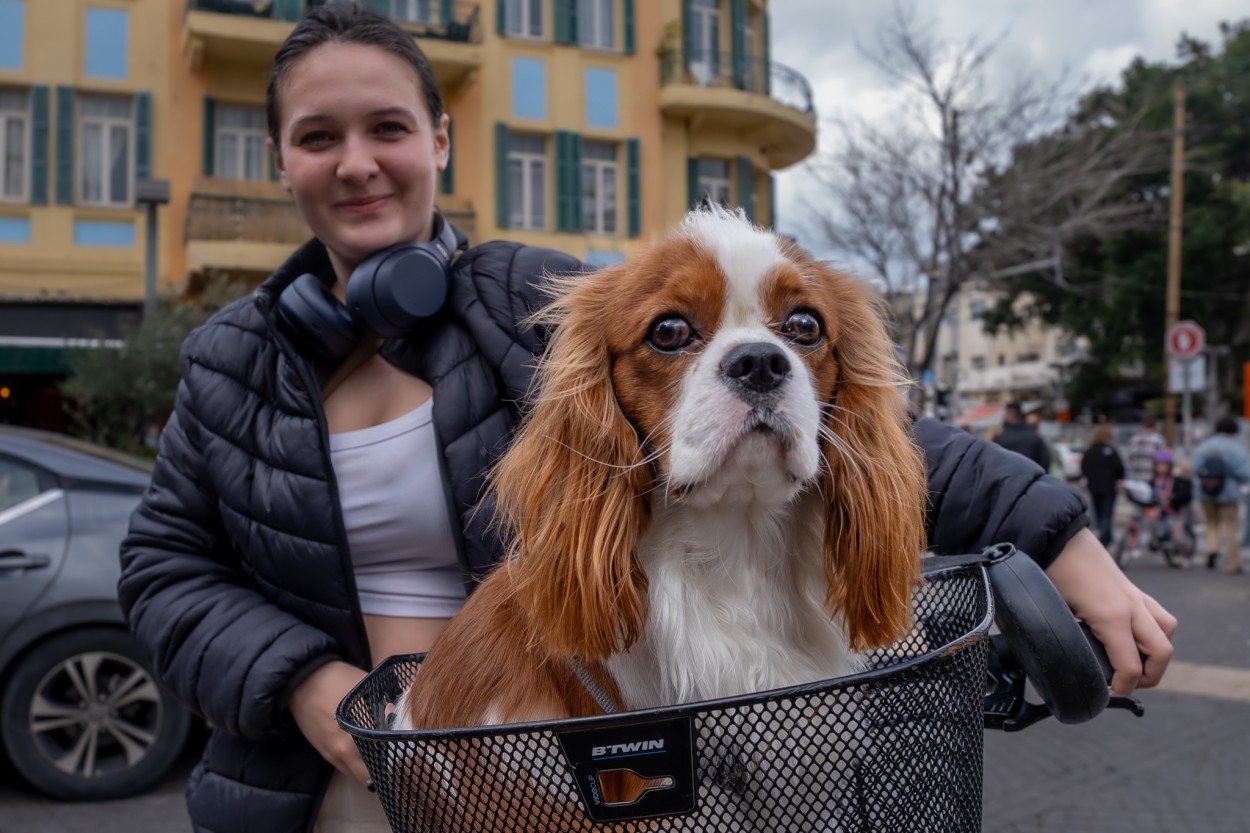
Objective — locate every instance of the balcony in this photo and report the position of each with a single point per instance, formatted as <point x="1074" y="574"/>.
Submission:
<point x="250" y="32"/>
<point x="240" y="226"/>
<point x="766" y="103"/>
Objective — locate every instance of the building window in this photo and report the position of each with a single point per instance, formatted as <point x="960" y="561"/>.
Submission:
<point x="1026" y="357"/>
<point x="524" y="18"/>
<point x="105" y="150"/>
<point x="977" y="309"/>
<point x="714" y="180"/>
<point x="12" y="30"/>
<point x="705" y="44"/>
<point x="413" y="11"/>
<point x="240" y="142"/>
<point x="14" y="144"/>
<point x="599" y="200"/>
<point x="978" y="362"/>
<point x="527" y="182"/>
<point x="595" y="19"/>
<point x="106" y="43"/>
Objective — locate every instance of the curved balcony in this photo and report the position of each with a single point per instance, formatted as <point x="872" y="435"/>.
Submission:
<point x="250" y="32"/>
<point x="766" y="103"/>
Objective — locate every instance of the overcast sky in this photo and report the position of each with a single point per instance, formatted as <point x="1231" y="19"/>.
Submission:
<point x="1092" y="40"/>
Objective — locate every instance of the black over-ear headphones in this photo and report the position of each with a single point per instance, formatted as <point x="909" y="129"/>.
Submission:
<point x="389" y="294"/>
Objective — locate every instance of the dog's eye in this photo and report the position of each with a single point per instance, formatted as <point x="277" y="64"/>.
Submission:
<point x="802" y="327"/>
<point x="670" y="334"/>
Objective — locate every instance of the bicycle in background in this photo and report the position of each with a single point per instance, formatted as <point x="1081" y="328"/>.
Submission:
<point x="1151" y="529"/>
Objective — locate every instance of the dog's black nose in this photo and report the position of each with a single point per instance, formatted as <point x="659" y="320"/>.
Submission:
<point x="758" y="367"/>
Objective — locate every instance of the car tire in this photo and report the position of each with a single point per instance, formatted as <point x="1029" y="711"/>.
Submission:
<point x="82" y="719"/>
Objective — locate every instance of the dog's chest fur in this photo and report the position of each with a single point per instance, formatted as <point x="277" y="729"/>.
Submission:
<point x="735" y="605"/>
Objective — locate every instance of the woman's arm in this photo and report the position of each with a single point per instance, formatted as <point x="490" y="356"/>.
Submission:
<point x="226" y="651"/>
<point x="980" y="495"/>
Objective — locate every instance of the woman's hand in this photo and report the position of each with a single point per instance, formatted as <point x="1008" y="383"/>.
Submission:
<point x="1129" y="624"/>
<point x="312" y="705"/>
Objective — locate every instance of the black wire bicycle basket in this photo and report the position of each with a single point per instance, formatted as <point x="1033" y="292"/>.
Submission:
<point x="897" y="747"/>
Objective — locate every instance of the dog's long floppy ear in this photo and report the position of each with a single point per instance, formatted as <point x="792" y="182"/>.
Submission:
<point x="875" y="483"/>
<point x="572" y="488"/>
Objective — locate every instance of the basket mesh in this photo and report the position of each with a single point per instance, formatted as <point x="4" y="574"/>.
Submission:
<point x="897" y="748"/>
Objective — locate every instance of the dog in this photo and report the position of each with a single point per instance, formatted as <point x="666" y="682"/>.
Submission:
<point x="715" y="492"/>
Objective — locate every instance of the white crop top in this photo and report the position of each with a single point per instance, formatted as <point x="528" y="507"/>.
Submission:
<point x="395" y="512"/>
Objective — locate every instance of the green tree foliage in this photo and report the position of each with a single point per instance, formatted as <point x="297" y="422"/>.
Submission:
<point x="1111" y="286"/>
<point x="119" y="395"/>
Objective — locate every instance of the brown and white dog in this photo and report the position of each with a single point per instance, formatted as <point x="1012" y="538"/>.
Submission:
<point x="715" y="493"/>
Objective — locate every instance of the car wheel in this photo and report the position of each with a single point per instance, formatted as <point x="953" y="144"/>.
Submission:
<point x="82" y="719"/>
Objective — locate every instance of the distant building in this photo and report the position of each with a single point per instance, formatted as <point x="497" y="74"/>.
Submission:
<point x="586" y="125"/>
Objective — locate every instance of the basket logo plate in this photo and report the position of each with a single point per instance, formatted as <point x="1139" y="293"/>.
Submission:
<point x="636" y="771"/>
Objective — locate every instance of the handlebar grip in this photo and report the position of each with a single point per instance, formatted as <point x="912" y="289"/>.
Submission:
<point x="1047" y="641"/>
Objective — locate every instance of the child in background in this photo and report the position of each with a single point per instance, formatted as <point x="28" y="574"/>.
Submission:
<point x="1174" y="492"/>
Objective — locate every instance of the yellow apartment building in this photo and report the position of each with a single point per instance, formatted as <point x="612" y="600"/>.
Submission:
<point x="588" y="126"/>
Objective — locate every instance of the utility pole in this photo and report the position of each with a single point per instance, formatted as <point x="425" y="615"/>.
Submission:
<point x="1173" y="309"/>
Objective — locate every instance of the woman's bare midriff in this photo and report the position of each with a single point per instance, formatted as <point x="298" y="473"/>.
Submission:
<point x="392" y="635"/>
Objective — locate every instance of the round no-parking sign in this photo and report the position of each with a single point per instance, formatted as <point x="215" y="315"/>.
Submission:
<point x="1185" y="340"/>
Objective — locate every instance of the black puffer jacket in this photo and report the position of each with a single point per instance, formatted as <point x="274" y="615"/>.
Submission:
<point x="236" y="577"/>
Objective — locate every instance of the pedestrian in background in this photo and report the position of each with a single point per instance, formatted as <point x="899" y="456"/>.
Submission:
<point x="1221" y="467"/>
<point x="1019" y="437"/>
<point x="1142" y="447"/>
<point x="1103" y="469"/>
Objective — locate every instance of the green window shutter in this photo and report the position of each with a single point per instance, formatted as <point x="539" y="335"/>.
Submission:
<point x="568" y="181"/>
<point x="288" y="9"/>
<point x="39" y="142"/>
<point x="692" y="181"/>
<point x="501" y="175"/>
<point x="772" y="201"/>
<point x="627" y="10"/>
<point x="209" y="159"/>
<point x="633" y="190"/>
<point x="446" y="12"/>
<point x="746" y="186"/>
<point x="143" y="135"/>
<point x="65" y="145"/>
<point x="766" y="71"/>
<point x="687" y="34"/>
<point x="563" y="14"/>
<point x="447" y="182"/>
<point x="382" y="7"/>
<point x="501" y="23"/>
<point x="738" y="41"/>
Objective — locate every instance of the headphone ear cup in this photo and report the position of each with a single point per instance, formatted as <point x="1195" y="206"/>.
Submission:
<point x="392" y="292"/>
<point x="316" y="319"/>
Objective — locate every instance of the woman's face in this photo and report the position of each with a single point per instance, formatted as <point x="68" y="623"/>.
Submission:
<point x="358" y="150"/>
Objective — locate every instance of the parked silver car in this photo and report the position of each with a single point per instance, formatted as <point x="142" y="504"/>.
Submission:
<point x="80" y="715"/>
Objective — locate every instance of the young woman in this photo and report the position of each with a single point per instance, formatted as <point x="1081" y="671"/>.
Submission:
<point x="287" y="545"/>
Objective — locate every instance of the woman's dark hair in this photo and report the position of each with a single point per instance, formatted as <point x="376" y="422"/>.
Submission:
<point x="343" y="21"/>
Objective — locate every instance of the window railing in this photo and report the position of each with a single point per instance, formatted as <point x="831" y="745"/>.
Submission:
<point x="463" y="26"/>
<point x="751" y="74"/>
<point x="222" y="217"/>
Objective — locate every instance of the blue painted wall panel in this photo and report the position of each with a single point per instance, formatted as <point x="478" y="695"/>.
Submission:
<point x="107" y="51"/>
<point x="102" y="233"/>
<point x="11" y="29"/>
<point x="599" y="257"/>
<point x="529" y="89"/>
<point x="14" y="230"/>
<point x="601" y="98"/>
